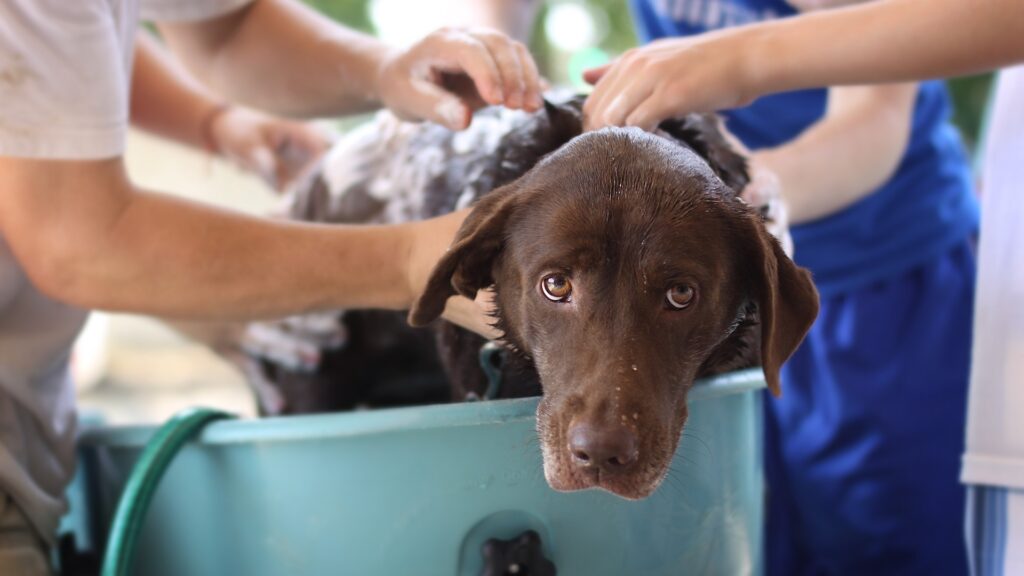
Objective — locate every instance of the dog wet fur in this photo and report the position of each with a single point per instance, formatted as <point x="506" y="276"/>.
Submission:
<point x="624" y="264"/>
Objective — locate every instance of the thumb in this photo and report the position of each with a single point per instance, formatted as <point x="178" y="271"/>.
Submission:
<point x="261" y="161"/>
<point x="435" y="104"/>
<point x="592" y="75"/>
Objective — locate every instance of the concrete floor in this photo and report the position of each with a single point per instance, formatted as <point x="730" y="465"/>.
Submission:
<point x="152" y="372"/>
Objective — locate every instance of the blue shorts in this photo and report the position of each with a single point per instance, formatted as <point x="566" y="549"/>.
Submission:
<point x="863" y="448"/>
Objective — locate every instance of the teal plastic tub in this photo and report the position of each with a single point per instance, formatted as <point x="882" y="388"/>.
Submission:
<point x="418" y="491"/>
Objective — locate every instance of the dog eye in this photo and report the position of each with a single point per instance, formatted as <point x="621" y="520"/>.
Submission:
<point x="679" y="297"/>
<point x="556" y="288"/>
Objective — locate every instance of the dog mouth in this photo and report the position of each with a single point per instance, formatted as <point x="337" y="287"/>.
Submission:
<point x="633" y="478"/>
<point x="621" y="486"/>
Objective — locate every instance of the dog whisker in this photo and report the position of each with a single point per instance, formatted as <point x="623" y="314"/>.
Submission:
<point x="692" y="435"/>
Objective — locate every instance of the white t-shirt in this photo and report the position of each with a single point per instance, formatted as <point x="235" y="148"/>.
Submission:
<point x="65" y="71"/>
<point x="995" y="425"/>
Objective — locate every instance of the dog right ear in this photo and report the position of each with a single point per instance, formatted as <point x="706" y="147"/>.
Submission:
<point x="787" y="301"/>
<point x="467" y="266"/>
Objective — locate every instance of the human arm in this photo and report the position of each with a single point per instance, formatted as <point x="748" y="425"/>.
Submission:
<point x="878" y="42"/>
<point x="281" y="56"/>
<point x="851" y="151"/>
<point x="166" y="101"/>
<point x="84" y="235"/>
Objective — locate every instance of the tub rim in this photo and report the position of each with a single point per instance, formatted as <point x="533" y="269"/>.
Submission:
<point x="385" y="420"/>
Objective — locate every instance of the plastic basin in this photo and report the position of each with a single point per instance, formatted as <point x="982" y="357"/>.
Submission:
<point x="417" y="491"/>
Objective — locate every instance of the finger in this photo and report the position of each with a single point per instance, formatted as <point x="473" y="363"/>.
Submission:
<point x="595" y="103"/>
<point x="290" y="165"/>
<point x="626" y="92"/>
<point x="295" y="151"/>
<point x="310" y="139"/>
<point x="763" y="186"/>
<point x="646" y="115"/>
<point x="594" y="75"/>
<point x="534" y="88"/>
<point x="260" y="160"/>
<point x="625" y="102"/>
<point x="442" y="107"/>
<point x="604" y="92"/>
<point x="474" y="59"/>
<point x="511" y="69"/>
<point x="461" y="85"/>
<point x="622" y="93"/>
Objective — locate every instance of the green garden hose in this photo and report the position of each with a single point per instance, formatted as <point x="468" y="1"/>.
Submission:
<point x="143" y="482"/>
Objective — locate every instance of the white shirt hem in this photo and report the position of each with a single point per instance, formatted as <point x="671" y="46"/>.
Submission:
<point x="65" y="145"/>
<point x="990" y="470"/>
<point x="184" y="11"/>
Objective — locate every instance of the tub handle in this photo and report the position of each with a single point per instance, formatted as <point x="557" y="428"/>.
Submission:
<point x="520" y="556"/>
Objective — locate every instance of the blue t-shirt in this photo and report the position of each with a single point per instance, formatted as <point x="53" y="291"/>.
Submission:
<point x="921" y="212"/>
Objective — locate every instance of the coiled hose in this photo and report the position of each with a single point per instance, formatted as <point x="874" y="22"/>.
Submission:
<point x="143" y="482"/>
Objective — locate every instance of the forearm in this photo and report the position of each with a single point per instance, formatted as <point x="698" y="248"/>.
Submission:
<point x="888" y="41"/>
<point x="848" y="154"/>
<point x="312" y="66"/>
<point x="171" y="257"/>
<point x="164" y="99"/>
<point x="86" y="237"/>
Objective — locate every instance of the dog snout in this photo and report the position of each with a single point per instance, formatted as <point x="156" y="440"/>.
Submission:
<point x="608" y="449"/>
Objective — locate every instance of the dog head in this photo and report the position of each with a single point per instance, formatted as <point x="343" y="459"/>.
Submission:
<point x="621" y="263"/>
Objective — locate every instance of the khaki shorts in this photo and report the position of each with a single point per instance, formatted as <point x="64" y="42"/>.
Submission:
<point x="22" y="552"/>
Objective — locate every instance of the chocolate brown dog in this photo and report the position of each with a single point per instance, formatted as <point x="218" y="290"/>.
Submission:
<point x="624" y="268"/>
<point x="624" y="263"/>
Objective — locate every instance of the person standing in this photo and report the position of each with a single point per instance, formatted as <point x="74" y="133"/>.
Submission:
<point x="863" y="446"/>
<point x="895" y="41"/>
<point x="77" y="234"/>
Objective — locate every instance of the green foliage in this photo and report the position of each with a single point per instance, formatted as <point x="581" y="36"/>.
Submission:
<point x="557" y="66"/>
<point x="970" y="99"/>
<point x="354" y="13"/>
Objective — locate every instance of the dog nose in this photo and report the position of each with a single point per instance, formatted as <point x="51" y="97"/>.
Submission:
<point x="607" y="448"/>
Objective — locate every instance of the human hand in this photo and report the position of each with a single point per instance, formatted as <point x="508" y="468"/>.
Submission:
<point x="763" y="191"/>
<point x="276" y="150"/>
<point x="427" y="241"/>
<point x="764" y="194"/>
<point x="669" y="78"/>
<point x="452" y="72"/>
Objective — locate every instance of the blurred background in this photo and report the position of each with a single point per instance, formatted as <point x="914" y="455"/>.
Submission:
<point x="135" y="369"/>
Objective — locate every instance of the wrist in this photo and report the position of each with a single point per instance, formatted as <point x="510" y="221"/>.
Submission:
<point x="208" y="127"/>
<point x="424" y="244"/>
<point x="382" y="63"/>
<point x="414" y="280"/>
<point x="760" y="60"/>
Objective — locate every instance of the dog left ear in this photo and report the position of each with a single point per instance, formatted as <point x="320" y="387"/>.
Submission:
<point x="703" y="133"/>
<point x="787" y="302"/>
<point x="565" y="119"/>
<point x="467" y="266"/>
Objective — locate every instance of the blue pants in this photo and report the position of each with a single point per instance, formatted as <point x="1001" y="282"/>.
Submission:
<point x="863" y="448"/>
<point x="995" y="530"/>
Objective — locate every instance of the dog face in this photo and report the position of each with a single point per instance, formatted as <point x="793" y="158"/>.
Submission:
<point x="622" y="262"/>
